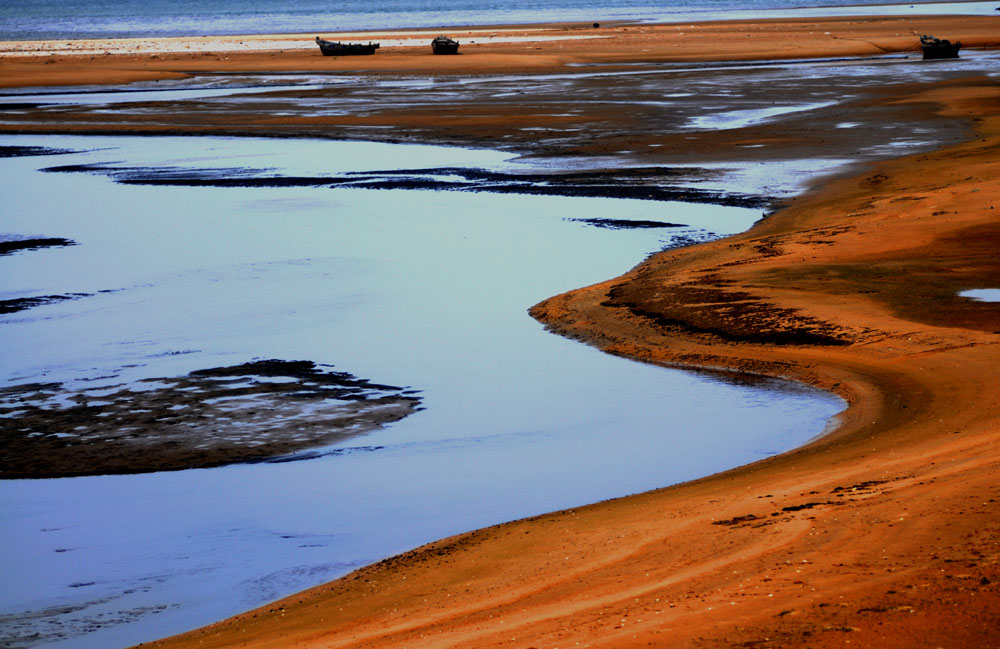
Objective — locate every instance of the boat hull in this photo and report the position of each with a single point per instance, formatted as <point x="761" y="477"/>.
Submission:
<point x="331" y="48"/>
<point x="935" y="48"/>
<point x="444" y="45"/>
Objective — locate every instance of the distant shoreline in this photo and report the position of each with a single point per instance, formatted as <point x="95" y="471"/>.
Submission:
<point x="470" y="20"/>
<point x="529" y="49"/>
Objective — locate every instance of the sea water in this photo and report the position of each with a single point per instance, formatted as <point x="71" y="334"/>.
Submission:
<point x="68" y="19"/>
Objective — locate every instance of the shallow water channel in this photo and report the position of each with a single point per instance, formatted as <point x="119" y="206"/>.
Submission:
<point x="423" y="289"/>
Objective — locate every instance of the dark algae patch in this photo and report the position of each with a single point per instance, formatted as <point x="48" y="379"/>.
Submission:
<point x="42" y="627"/>
<point x="258" y="411"/>
<point x="24" y="303"/>
<point x="626" y="224"/>
<point x="646" y="183"/>
<point x="18" y="245"/>
<point x="27" y="151"/>
<point x="727" y="315"/>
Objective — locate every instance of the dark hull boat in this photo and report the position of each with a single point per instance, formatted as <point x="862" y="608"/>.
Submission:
<point x="444" y="45"/>
<point x="331" y="48"/>
<point x="935" y="48"/>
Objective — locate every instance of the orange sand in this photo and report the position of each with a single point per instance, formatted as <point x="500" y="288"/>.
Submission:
<point x="45" y="63"/>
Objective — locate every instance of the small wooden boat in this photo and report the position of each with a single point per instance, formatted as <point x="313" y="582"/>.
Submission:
<point x="936" y="48"/>
<point x="332" y="48"/>
<point x="444" y="45"/>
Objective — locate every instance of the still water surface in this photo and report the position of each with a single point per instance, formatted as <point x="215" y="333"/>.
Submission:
<point x="422" y="289"/>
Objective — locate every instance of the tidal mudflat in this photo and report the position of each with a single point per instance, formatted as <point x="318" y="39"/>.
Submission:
<point x="757" y="123"/>
<point x="424" y="292"/>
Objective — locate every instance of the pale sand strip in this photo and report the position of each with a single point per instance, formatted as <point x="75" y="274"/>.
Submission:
<point x="257" y="44"/>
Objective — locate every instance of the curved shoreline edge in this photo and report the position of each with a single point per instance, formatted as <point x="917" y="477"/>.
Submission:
<point x="884" y="529"/>
<point x="883" y="533"/>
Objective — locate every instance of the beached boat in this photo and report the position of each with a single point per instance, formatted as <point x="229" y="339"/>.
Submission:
<point x="936" y="48"/>
<point x="444" y="45"/>
<point x="332" y="48"/>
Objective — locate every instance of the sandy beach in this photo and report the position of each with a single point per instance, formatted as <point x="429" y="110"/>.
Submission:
<point x="524" y="49"/>
<point x="881" y="533"/>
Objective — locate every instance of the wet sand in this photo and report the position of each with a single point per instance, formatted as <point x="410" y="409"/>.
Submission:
<point x="882" y="533"/>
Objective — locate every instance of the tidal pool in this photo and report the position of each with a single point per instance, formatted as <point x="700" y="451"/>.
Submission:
<point x="982" y="294"/>
<point x="412" y="288"/>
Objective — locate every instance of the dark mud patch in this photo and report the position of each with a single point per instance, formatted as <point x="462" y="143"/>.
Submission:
<point x="737" y="520"/>
<point x="58" y="623"/>
<point x="257" y="411"/>
<point x="9" y="247"/>
<point x="725" y="315"/>
<point x="27" y="151"/>
<point x="625" y="224"/>
<point x="688" y="239"/>
<point x="21" y="105"/>
<point x="24" y="303"/>
<point x="15" y="305"/>
<point x="647" y="183"/>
